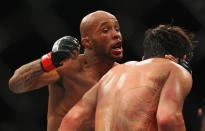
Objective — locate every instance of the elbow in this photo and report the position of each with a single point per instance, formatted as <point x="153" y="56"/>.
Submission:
<point x="168" y="121"/>
<point x="13" y="87"/>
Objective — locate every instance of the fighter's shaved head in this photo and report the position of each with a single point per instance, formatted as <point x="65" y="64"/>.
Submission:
<point x="92" y="19"/>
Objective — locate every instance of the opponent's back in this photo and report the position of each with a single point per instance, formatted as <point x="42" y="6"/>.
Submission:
<point x="132" y="91"/>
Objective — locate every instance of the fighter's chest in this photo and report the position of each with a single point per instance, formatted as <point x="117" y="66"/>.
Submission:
<point x="81" y="81"/>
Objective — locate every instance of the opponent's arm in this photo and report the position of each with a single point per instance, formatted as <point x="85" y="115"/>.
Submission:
<point x="82" y="111"/>
<point x="42" y="72"/>
<point x="169" y="113"/>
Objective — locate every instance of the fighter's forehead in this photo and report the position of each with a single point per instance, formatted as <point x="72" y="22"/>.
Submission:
<point x="101" y="14"/>
<point x="102" y="18"/>
<point x="107" y="21"/>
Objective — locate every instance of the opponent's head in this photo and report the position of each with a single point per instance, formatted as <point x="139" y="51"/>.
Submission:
<point x="100" y="35"/>
<point x="167" y="39"/>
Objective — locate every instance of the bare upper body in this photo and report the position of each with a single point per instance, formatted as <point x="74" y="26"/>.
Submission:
<point x="145" y="95"/>
<point x="76" y="78"/>
<point x="66" y="85"/>
<point x="101" y="37"/>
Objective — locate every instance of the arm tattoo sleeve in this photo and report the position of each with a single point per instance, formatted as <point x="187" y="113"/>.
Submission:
<point x="27" y="76"/>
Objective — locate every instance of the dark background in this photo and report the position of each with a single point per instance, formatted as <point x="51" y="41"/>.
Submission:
<point x="28" y="29"/>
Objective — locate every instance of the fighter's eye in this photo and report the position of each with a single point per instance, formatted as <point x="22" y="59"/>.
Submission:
<point x="117" y="28"/>
<point x="105" y="30"/>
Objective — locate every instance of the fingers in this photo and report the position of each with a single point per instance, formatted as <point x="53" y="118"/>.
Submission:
<point x="75" y="53"/>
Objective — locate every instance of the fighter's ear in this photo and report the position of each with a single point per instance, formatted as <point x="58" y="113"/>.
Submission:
<point x="86" y="42"/>
<point x="142" y="57"/>
<point x="184" y="57"/>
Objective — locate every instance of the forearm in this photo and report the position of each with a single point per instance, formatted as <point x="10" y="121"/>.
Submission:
<point x="25" y="77"/>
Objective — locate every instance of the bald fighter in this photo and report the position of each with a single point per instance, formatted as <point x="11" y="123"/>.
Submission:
<point x="69" y="74"/>
<point x="141" y="96"/>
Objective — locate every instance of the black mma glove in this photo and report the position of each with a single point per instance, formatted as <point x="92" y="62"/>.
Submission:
<point x="186" y="65"/>
<point x="60" y="51"/>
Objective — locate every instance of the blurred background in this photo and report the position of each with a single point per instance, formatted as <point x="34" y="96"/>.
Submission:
<point x="28" y="29"/>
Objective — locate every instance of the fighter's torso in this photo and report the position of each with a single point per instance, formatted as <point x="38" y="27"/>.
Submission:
<point x="131" y="101"/>
<point x="74" y="82"/>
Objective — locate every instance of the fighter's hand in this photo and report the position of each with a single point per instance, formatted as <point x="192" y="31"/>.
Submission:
<point x="172" y="58"/>
<point x="186" y="65"/>
<point x="63" y="48"/>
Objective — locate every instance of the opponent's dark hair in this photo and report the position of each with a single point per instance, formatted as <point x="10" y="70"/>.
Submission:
<point x="168" y="39"/>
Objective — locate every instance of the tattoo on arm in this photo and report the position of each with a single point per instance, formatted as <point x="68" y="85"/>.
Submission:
<point x="27" y="76"/>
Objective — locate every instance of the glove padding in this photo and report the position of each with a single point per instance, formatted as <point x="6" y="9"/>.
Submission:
<point x="62" y="49"/>
<point x="186" y="65"/>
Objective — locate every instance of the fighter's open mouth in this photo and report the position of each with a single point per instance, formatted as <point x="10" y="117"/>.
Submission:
<point x="117" y="46"/>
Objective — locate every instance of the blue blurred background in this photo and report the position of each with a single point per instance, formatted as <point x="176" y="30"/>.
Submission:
<point x="28" y="29"/>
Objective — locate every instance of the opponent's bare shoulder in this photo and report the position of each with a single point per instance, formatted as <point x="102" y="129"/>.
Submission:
<point x="117" y="67"/>
<point x="177" y="67"/>
<point x="183" y="75"/>
<point x="126" y="64"/>
<point x="131" y="63"/>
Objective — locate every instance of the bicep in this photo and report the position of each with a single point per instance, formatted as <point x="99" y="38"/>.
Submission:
<point x="173" y="94"/>
<point x="174" y="91"/>
<point x="171" y="100"/>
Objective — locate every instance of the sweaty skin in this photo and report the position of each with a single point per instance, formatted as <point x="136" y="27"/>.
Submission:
<point x="136" y="96"/>
<point x="68" y="83"/>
